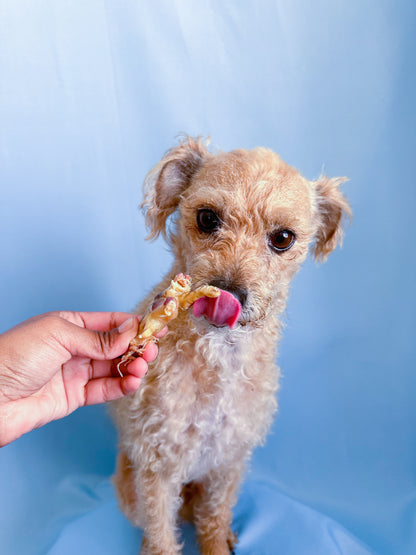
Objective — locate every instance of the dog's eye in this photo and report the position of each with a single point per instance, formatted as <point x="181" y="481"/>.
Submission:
<point x="208" y="221"/>
<point x="281" y="240"/>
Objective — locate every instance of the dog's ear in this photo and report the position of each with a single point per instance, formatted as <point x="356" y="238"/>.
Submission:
<point x="331" y="209"/>
<point x="166" y="182"/>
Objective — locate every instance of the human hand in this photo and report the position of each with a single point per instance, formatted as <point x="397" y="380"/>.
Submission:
<point x="56" y="362"/>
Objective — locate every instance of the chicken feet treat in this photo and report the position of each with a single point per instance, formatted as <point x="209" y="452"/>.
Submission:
<point x="165" y="307"/>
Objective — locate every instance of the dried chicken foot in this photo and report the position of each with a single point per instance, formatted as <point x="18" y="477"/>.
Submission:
<point x="165" y="308"/>
<point x="188" y="299"/>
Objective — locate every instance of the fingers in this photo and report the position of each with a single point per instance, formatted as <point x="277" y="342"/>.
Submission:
<point x="150" y="352"/>
<point x="97" y="321"/>
<point x="99" y="335"/>
<point x="104" y="387"/>
<point x="115" y="331"/>
<point x="107" y="368"/>
<point x="103" y="390"/>
<point x="86" y="335"/>
<point x="138" y="367"/>
<point x="97" y="345"/>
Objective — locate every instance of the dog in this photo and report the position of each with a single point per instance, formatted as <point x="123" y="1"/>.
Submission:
<point x="242" y="221"/>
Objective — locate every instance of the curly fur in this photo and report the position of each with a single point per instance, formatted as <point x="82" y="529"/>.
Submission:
<point x="210" y="396"/>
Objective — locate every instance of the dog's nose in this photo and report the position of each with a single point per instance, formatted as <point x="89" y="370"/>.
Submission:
<point x="239" y="292"/>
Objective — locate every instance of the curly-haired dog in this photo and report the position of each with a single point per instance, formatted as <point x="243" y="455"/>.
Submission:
<point x="243" y="221"/>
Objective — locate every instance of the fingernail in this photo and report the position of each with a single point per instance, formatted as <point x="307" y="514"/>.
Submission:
<point x="127" y="325"/>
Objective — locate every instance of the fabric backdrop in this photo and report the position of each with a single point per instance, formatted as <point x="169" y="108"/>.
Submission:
<point x="92" y="93"/>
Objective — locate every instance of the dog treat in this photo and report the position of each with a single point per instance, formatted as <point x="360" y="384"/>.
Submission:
<point x="165" y="308"/>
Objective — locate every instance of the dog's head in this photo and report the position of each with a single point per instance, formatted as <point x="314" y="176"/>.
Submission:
<point x="243" y="220"/>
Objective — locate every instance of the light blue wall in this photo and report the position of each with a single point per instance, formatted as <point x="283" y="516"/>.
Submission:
<point x="92" y="94"/>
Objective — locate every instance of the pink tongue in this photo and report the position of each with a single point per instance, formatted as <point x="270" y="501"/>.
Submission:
<point x="221" y="311"/>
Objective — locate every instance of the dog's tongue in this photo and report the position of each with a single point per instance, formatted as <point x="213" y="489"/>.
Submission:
<point x="221" y="311"/>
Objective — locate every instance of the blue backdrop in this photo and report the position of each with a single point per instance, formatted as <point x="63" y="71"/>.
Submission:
<point x="91" y="95"/>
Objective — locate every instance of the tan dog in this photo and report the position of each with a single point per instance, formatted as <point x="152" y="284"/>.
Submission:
<point x="243" y="221"/>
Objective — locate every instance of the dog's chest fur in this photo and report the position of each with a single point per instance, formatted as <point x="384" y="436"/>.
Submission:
<point x="218" y="426"/>
<point x="198" y="411"/>
<point x="202" y="406"/>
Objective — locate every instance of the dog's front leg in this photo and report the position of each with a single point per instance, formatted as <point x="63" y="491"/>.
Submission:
<point x="160" y="500"/>
<point x="213" y="510"/>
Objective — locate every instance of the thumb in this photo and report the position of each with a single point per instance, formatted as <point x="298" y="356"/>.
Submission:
<point x="102" y="345"/>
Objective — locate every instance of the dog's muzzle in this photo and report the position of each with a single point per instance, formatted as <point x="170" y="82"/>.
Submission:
<point x="226" y="285"/>
<point x="224" y="310"/>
